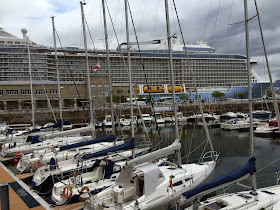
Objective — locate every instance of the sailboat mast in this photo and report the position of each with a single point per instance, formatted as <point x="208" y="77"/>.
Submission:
<point x="57" y="74"/>
<point x="172" y="77"/>
<point x="88" y="75"/>
<point x="129" y="70"/>
<point x="252" y="152"/>
<point x="109" y="70"/>
<point x="31" y="87"/>
<point x="276" y="109"/>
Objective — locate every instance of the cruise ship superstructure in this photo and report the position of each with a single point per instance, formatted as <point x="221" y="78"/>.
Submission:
<point x="212" y="70"/>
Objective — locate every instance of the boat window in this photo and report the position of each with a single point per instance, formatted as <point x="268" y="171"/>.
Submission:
<point x="188" y="179"/>
<point x="81" y="149"/>
<point x="177" y="183"/>
<point x="244" y="196"/>
<point x="271" y="193"/>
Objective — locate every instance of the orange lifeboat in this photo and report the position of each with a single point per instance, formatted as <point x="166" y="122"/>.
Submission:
<point x="153" y="89"/>
<point x="177" y="89"/>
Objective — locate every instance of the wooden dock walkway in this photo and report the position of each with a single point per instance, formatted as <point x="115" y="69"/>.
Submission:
<point x="73" y="206"/>
<point x="20" y="195"/>
<point x="4" y="159"/>
<point x="24" y="175"/>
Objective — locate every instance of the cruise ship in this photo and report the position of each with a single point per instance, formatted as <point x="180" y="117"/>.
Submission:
<point x="213" y="71"/>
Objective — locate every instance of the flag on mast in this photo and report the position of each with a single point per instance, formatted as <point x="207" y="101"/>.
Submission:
<point x="97" y="66"/>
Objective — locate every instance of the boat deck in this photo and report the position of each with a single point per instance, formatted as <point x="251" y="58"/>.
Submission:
<point x="22" y="197"/>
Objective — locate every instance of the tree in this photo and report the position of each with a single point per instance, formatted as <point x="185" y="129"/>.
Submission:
<point x="22" y="103"/>
<point x="183" y="97"/>
<point x="115" y="98"/>
<point x="269" y="94"/>
<point x="240" y="95"/>
<point x="218" y="94"/>
<point x="73" y="101"/>
<point x="149" y="99"/>
<point x="1" y="104"/>
<point x="140" y="97"/>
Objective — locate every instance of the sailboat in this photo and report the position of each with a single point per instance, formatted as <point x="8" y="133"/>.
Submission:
<point x="45" y="174"/>
<point x="100" y="177"/>
<point x="264" y="198"/>
<point x="144" y="185"/>
<point x="32" y="161"/>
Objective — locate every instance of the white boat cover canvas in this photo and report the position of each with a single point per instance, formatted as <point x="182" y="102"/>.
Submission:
<point x="175" y="146"/>
<point x="70" y="132"/>
<point x="152" y="177"/>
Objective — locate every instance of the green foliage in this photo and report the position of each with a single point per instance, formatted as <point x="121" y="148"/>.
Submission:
<point x="269" y="94"/>
<point x="22" y="103"/>
<point x="148" y="98"/>
<point x="140" y="97"/>
<point x="1" y="103"/>
<point x="183" y="97"/>
<point x="115" y="98"/>
<point x="73" y="101"/>
<point x="240" y="95"/>
<point x="218" y="94"/>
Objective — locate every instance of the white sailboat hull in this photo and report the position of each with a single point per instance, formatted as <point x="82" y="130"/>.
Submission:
<point x="185" y="178"/>
<point x="266" y="198"/>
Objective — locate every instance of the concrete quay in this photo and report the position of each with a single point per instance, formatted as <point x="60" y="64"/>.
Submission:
<point x="78" y="115"/>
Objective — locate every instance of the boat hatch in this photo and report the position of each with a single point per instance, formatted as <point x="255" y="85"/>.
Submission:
<point x="82" y="149"/>
<point x="215" y="206"/>
<point x="244" y="196"/>
<point x="271" y="193"/>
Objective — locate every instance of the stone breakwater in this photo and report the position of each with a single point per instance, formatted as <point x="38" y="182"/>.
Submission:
<point x="78" y="115"/>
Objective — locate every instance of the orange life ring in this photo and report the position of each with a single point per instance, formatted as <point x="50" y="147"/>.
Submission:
<point x="66" y="195"/>
<point x="19" y="154"/>
<point x="39" y="164"/>
<point x="82" y="191"/>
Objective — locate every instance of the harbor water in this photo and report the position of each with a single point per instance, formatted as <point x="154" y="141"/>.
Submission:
<point x="233" y="147"/>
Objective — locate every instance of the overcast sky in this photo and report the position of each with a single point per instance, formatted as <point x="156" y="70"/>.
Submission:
<point x="201" y="19"/>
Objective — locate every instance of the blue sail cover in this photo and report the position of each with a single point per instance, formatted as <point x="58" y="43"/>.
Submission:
<point x="34" y="139"/>
<point x="250" y="167"/>
<point x="10" y="130"/>
<point x="58" y="124"/>
<point x="84" y="143"/>
<point x="126" y="146"/>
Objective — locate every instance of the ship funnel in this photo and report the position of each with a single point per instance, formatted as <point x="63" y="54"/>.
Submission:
<point x="24" y="32"/>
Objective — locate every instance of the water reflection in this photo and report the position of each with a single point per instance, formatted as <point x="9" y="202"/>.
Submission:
<point x="233" y="146"/>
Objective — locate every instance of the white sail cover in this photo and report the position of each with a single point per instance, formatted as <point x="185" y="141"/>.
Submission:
<point x="175" y="146"/>
<point x="70" y="132"/>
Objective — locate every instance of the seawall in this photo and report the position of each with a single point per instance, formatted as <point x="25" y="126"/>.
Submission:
<point x="78" y="115"/>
